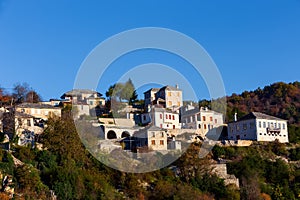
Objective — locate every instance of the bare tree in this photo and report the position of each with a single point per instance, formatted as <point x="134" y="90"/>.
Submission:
<point x="20" y="91"/>
<point x="32" y="97"/>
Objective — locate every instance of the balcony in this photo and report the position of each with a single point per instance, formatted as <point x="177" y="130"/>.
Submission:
<point x="273" y="130"/>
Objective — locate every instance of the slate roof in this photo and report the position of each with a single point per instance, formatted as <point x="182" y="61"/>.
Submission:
<point x="168" y="87"/>
<point x="36" y="105"/>
<point x="154" y="89"/>
<point x="78" y="92"/>
<point x="22" y="115"/>
<point x="258" y="115"/>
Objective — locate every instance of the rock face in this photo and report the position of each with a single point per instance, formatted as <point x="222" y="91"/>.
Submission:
<point x="221" y="171"/>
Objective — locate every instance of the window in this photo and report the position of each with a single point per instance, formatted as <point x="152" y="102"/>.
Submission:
<point x="264" y="124"/>
<point x="152" y="142"/>
<point x="259" y="124"/>
<point x="216" y="121"/>
<point x="178" y="103"/>
<point x="199" y="126"/>
<point x="283" y="125"/>
<point x="251" y="125"/>
<point x="173" y="117"/>
<point x="204" y="118"/>
<point x="279" y="125"/>
<point x="162" y="134"/>
<point x="28" y="122"/>
<point x="160" y="125"/>
<point x="160" y="116"/>
<point x="198" y="117"/>
<point x="19" y="122"/>
<point x="204" y="126"/>
<point x="166" y="116"/>
<point x="237" y="128"/>
<point x="260" y="134"/>
<point x="211" y="119"/>
<point x="169" y="116"/>
<point x="268" y="124"/>
<point x="144" y="117"/>
<point x="173" y="126"/>
<point x="91" y="103"/>
<point x="161" y="142"/>
<point x="153" y="134"/>
<point x="275" y="125"/>
<point x="169" y="94"/>
<point x="193" y="118"/>
<point x="169" y="103"/>
<point x="245" y="126"/>
<point x="178" y="94"/>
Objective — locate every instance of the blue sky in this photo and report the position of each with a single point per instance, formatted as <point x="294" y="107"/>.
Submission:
<point x="253" y="43"/>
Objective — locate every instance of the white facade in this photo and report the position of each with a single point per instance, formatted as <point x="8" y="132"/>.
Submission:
<point x="162" y="118"/>
<point x="259" y="127"/>
<point x="202" y="119"/>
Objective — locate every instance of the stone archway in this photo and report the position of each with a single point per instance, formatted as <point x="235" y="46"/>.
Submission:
<point x="125" y="134"/>
<point x="111" y="135"/>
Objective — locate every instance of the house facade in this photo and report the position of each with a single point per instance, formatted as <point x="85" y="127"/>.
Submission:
<point x="167" y="96"/>
<point x="258" y="127"/>
<point x="39" y="111"/>
<point x="162" y="118"/>
<point x="84" y="96"/>
<point x="201" y="119"/>
<point x="153" y="137"/>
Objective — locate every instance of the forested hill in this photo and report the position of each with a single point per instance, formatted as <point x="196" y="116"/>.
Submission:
<point x="279" y="99"/>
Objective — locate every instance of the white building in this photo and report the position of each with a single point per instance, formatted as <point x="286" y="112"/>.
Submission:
<point x="201" y="119"/>
<point x="167" y="96"/>
<point x="162" y="118"/>
<point x="259" y="127"/>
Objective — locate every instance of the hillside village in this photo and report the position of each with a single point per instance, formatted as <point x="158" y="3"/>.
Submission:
<point x="164" y="123"/>
<point x="163" y="109"/>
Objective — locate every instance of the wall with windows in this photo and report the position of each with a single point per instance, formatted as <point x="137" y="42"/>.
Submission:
<point x="269" y="130"/>
<point x="259" y="130"/>
<point x="202" y="119"/>
<point x="162" y="118"/>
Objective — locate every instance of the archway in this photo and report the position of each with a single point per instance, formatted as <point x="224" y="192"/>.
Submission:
<point x="125" y="134"/>
<point x="111" y="135"/>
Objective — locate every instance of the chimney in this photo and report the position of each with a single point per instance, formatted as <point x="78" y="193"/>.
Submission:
<point x="235" y="117"/>
<point x="177" y="87"/>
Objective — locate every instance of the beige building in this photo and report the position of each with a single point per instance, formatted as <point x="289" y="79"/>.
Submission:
<point x="39" y="111"/>
<point x="167" y="96"/>
<point x="201" y="119"/>
<point x="81" y="96"/>
<point x="258" y="127"/>
<point x="153" y="137"/>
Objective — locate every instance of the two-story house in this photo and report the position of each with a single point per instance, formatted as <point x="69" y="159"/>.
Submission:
<point x="201" y="119"/>
<point x="162" y="118"/>
<point x="259" y="127"/>
<point x="167" y="96"/>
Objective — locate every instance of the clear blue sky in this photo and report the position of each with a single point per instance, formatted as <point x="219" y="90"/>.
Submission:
<point x="43" y="43"/>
